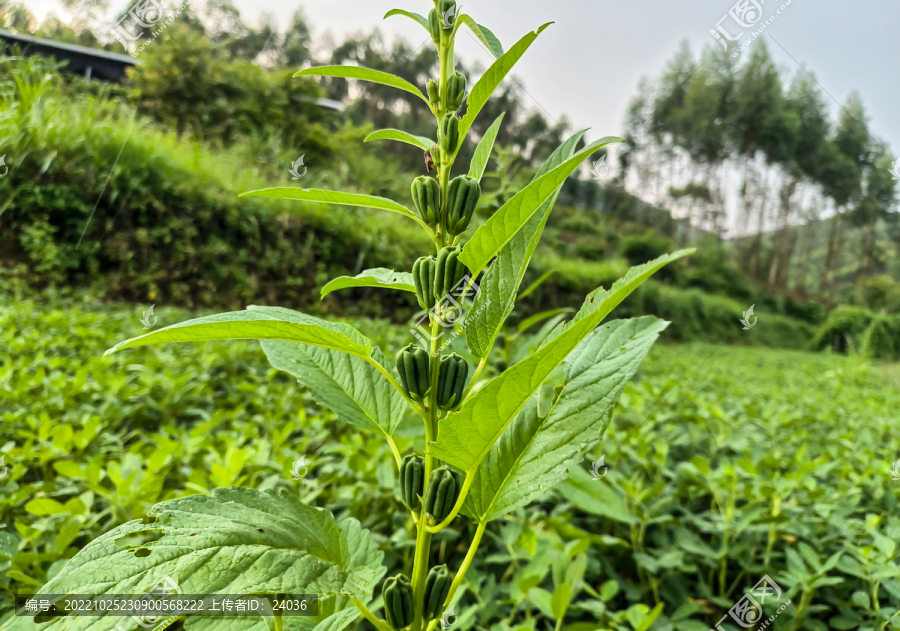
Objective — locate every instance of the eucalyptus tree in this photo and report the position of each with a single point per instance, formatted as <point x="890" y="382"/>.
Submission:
<point x="849" y="154"/>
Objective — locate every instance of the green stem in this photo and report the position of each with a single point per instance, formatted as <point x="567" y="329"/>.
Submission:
<point x="394" y="450"/>
<point x="456" y="507"/>
<point x="461" y="573"/>
<point x="475" y="376"/>
<point x="391" y="381"/>
<point x="368" y="615"/>
<point x="423" y="537"/>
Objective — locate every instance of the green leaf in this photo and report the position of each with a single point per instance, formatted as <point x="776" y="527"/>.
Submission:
<point x="594" y="496"/>
<point x="620" y="290"/>
<point x="489" y="239"/>
<point x="608" y="590"/>
<point x="701" y="464"/>
<point x="421" y="19"/>
<point x="534" y="453"/>
<point x="364" y="74"/>
<point x="421" y="142"/>
<point x="650" y="618"/>
<point x="235" y="541"/>
<point x="259" y="323"/>
<point x="354" y="389"/>
<point x="542" y="600"/>
<point x="529" y="322"/>
<point x="364" y="552"/>
<point x="492" y="78"/>
<point x="500" y="284"/>
<point x="44" y="506"/>
<point x="540" y="281"/>
<point x="467" y="435"/>
<point x="482" y="33"/>
<point x="484" y="149"/>
<point x="559" y="602"/>
<point x="377" y="277"/>
<point x="335" y="197"/>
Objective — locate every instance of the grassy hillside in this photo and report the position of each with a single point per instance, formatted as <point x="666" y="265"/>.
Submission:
<point x="107" y="200"/>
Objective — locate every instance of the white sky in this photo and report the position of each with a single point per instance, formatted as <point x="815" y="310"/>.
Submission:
<point x="588" y="64"/>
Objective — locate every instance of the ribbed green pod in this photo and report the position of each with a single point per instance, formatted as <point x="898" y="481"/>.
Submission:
<point x="456" y="90"/>
<point x="435" y="26"/>
<point x="448" y="272"/>
<point x="424" y="271"/>
<point x="449" y="132"/>
<point x="437" y="586"/>
<point x="426" y="194"/>
<point x="434" y="94"/>
<point x="462" y="198"/>
<point x="454" y="372"/>
<point x="399" y="606"/>
<point x="447" y="17"/>
<point x="442" y="493"/>
<point x="412" y="481"/>
<point x="412" y="364"/>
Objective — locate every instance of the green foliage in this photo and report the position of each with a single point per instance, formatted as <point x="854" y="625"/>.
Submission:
<point x="844" y="329"/>
<point x="196" y="87"/>
<point x="879" y="293"/>
<point x="347" y="374"/>
<point x="115" y="436"/>
<point x="639" y="248"/>
<point x="165" y="225"/>
<point x="882" y="338"/>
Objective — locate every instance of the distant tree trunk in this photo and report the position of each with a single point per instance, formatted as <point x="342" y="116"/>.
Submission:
<point x="868" y="243"/>
<point x="756" y="249"/>
<point x="836" y="221"/>
<point x="782" y="237"/>
<point x="793" y="236"/>
<point x="809" y="236"/>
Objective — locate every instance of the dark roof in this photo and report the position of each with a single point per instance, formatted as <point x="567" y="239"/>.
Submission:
<point x="88" y="62"/>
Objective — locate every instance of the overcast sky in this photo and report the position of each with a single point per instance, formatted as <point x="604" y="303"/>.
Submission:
<point x="588" y="64"/>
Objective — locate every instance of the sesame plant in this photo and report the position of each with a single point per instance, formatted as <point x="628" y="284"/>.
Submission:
<point x="492" y="444"/>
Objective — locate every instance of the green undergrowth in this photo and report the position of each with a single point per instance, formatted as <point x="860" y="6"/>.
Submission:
<point x="725" y="464"/>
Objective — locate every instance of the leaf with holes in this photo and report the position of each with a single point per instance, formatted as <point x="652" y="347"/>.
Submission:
<point x="237" y="541"/>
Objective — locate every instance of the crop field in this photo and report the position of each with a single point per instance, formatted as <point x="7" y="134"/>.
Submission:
<point x="722" y="465"/>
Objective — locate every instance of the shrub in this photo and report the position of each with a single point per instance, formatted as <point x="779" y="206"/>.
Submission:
<point x="844" y="330"/>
